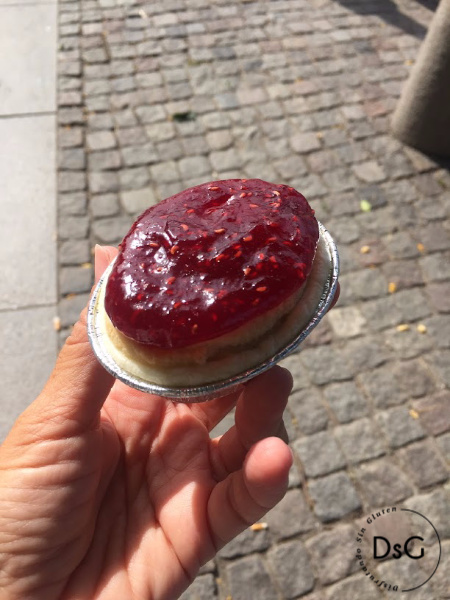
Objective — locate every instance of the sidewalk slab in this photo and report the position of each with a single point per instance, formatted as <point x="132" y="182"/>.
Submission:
<point x="27" y="58"/>
<point x="29" y="345"/>
<point x="28" y="223"/>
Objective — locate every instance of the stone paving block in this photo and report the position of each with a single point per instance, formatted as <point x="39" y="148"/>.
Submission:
<point x="104" y="205"/>
<point x="334" y="496"/>
<point x="305" y="142"/>
<point x="248" y="578"/>
<point x="104" y="160"/>
<point x="75" y="280"/>
<point x="434" y="237"/>
<point x="103" y="182"/>
<point x="101" y="140"/>
<point x="144" y="154"/>
<point x="308" y="410"/>
<point x="73" y="227"/>
<point x="346" y="401"/>
<point x="319" y="454"/>
<point x="69" y="308"/>
<point x="325" y="364"/>
<point x="111" y="230"/>
<point x="436" y="267"/>
<point x="347" y="322"/>
<point x="290" y="517"/>
<point x="369" y="172"/>
<point x="247" y="542"/>
<point x="443" y="443"/>
<point x="333" y="553"/>
<point x="359" y="441"/>
<point x="434" y="412"/>
<point x="439" y="296"/>
<point x="292" y="569"/>
<point x="131" y="179"/>
<point x="399" y="426"/>
<point x="136" y="201"/>
<point x="424" y="464"/>
<point x="411" y="304"/>
<point x="365" y="353"/>
<point x="73" y="159"/>
<point x="74" y="252"/>
<point x="403" y="273"/>
<point x="202" y="588"/>
<point x="439" y="362"/>
<point x="354" y="587"/>
<point x="383" y="482"/>
<point x="435" y="506"/>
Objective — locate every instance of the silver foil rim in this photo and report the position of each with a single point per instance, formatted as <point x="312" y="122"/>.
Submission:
<point x="201" y="393"/>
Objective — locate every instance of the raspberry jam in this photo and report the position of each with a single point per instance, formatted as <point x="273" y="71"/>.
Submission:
<point x="210" y="259"/>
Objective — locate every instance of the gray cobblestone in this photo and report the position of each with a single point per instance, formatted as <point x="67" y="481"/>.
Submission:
<point x="290" y="517"/>
<point x="73" y="227"/>
<point x="334" y="496"/>
<point x="439" y="295"/>
<point x="136" y="201"/>
<point x="308" y="409"/>
<point x="74" y="252"/>
<point x="360" y="441"/>
<point x="346" y="401"/>
<point x="292" y="569"/>
<point x="111" y="230"/>
<point x="104" y="205"/>
<point x="247" y="542"/>
<point x="354" y="587"/>
<point x="249" y="578"/>
<point x="399" y="426"/>
<point x="334" y="565"/>
<point x="202" y="588"/>
<point x="434" y="412"/>
<point x="75" y="280"/>
<point x="319" y="454"/>
<point x="424" y="464"/>
<point x="383" y="483"/>
<point x="315" y="360"/>
<point x="72" y="204"/>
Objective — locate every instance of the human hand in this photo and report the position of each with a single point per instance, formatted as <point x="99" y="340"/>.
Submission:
<point x="107" y="492"/>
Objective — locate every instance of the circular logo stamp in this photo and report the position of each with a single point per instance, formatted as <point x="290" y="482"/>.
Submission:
<point x="398" y="549"/>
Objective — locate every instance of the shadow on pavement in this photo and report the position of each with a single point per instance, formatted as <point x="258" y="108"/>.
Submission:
<point x="388" y="11"/>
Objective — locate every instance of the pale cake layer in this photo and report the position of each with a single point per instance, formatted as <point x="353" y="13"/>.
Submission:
<point x="229" y="354"/>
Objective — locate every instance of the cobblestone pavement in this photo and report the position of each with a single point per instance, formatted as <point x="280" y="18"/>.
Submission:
<point x="157" y="96"/>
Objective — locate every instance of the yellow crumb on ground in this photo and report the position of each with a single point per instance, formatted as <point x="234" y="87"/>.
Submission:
<point x="56" y="323"/>
<point x="403" y="327"/>
<point x="392" y="287"/>
<point x="413" y="413"/>
<point x="258" y="526"/>
<point x="421" y="328"/>
<point x="365" y="249"/>
<point x="420" y="247"/>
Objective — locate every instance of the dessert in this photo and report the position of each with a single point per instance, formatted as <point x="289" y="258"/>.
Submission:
<point x="212" y="281"/>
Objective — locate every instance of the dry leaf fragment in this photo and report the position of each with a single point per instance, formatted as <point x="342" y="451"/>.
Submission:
<point x="258" y="526"/>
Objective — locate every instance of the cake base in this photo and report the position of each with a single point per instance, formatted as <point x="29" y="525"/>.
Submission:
<point x="209" y="364"/>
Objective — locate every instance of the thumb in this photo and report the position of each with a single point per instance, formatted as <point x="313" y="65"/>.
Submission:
<point x="78" y="385"/>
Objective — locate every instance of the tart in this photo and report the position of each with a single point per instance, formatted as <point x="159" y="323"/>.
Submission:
<point x="211" y="282"/>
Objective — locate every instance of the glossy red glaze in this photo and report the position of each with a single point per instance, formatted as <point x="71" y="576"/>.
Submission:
<point x="210" y="259"/>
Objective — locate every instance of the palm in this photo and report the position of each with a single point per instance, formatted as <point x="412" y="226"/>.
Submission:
<point x="132" y="506"/>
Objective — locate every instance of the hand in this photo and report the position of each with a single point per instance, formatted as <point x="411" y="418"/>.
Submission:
<point x="110" y="493"/>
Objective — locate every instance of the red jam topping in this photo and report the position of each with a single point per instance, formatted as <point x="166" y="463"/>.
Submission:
<point x="210" y="259"/>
